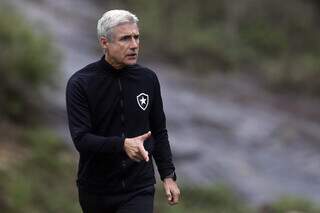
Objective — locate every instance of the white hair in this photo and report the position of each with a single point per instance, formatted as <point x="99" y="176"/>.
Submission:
<point x="113" y="18"/>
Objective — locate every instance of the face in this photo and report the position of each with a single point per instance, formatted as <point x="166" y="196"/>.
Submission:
<point x="123" y="49"/>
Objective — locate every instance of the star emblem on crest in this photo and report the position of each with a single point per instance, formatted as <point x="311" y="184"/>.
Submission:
<point x="143" y="100"/>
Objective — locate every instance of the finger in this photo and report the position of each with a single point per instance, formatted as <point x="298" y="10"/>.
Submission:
<point x="169" y="196"/>
<point x="144" y="153"/>
<point x="136" y="154"/>
<point x="145" y="136"/>
<point x="132" y="157"/>
<point x="136" y="158"/>
<point x="175" y="198"/>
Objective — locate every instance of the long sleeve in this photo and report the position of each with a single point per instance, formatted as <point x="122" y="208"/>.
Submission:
<point x="80" y="123"/>
<point x="162" y="152"/>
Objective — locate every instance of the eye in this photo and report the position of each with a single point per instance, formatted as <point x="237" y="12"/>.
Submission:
<point x="125" y="38"/>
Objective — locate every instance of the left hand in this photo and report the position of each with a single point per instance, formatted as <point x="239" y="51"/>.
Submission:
<point x="172" y="191"/>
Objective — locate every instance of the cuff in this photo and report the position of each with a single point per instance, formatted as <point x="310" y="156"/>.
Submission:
<point x="171" y="175"/>
<point x="118" y="144"/>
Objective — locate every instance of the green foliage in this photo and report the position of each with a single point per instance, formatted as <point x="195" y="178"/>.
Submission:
<point x="43" y="180"/>
<point x="291" y="204"/>
<point x="275" y="40"/>
<point x="27" y="61"/>
<point x="221" y="199"/>
<point x="217" y="198"/>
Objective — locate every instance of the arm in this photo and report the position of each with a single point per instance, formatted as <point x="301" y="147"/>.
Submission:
<point x="80" y="123"/>
<point x="162" y="153"/>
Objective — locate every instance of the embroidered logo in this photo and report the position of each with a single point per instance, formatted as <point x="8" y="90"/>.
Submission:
<point x="143" y="100"/>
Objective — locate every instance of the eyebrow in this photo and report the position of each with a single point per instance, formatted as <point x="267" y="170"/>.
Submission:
<point x="135" y="35"/>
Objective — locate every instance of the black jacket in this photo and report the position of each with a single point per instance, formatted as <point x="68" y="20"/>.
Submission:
<point x="104" y="107"/>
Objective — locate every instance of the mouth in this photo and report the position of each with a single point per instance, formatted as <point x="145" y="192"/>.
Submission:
<point x="132" y="55"/>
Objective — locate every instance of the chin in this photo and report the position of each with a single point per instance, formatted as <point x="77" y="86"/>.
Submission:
<point x="131" y="62"/>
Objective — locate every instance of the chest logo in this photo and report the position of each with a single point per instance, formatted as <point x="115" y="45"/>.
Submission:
<point x="143" y="100"/>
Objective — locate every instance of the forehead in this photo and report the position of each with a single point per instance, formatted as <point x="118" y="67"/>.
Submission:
<point x="125" y="29"/>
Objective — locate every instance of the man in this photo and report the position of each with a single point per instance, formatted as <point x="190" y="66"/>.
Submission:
<point x="117" y="124"/>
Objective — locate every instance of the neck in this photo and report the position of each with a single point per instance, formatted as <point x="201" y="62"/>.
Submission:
<point x="113" y="63"/>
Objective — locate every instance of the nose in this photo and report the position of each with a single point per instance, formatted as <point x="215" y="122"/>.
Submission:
<point x="134" y="43"/>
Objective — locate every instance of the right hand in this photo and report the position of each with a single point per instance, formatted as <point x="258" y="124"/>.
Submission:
<point x="135" y="149"/>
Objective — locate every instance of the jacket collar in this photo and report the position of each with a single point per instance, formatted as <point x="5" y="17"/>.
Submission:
<point x="109" y="68"/>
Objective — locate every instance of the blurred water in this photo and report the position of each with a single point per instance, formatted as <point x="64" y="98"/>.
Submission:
<point x="221" y="128"/>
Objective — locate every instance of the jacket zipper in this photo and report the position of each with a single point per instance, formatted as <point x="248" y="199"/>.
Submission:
<point x="122" y="122"/>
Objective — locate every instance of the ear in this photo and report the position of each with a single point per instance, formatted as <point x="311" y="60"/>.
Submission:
<point x="104" y="42"/>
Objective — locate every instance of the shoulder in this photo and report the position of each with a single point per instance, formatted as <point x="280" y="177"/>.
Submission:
<point x="145" y="71"/>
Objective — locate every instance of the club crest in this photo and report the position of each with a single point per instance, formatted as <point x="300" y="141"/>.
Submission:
<point x="143" y="100"/>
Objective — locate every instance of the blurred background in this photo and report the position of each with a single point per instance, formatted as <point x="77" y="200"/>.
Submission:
<point x="240" y="84"/>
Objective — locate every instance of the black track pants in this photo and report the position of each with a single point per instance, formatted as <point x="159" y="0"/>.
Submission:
<point x="133" y="202"/>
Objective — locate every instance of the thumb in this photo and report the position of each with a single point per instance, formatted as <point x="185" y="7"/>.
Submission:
<point x="169" y="196"/>
<point x="145" y="136"/>
<point x="168" y="193"/>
